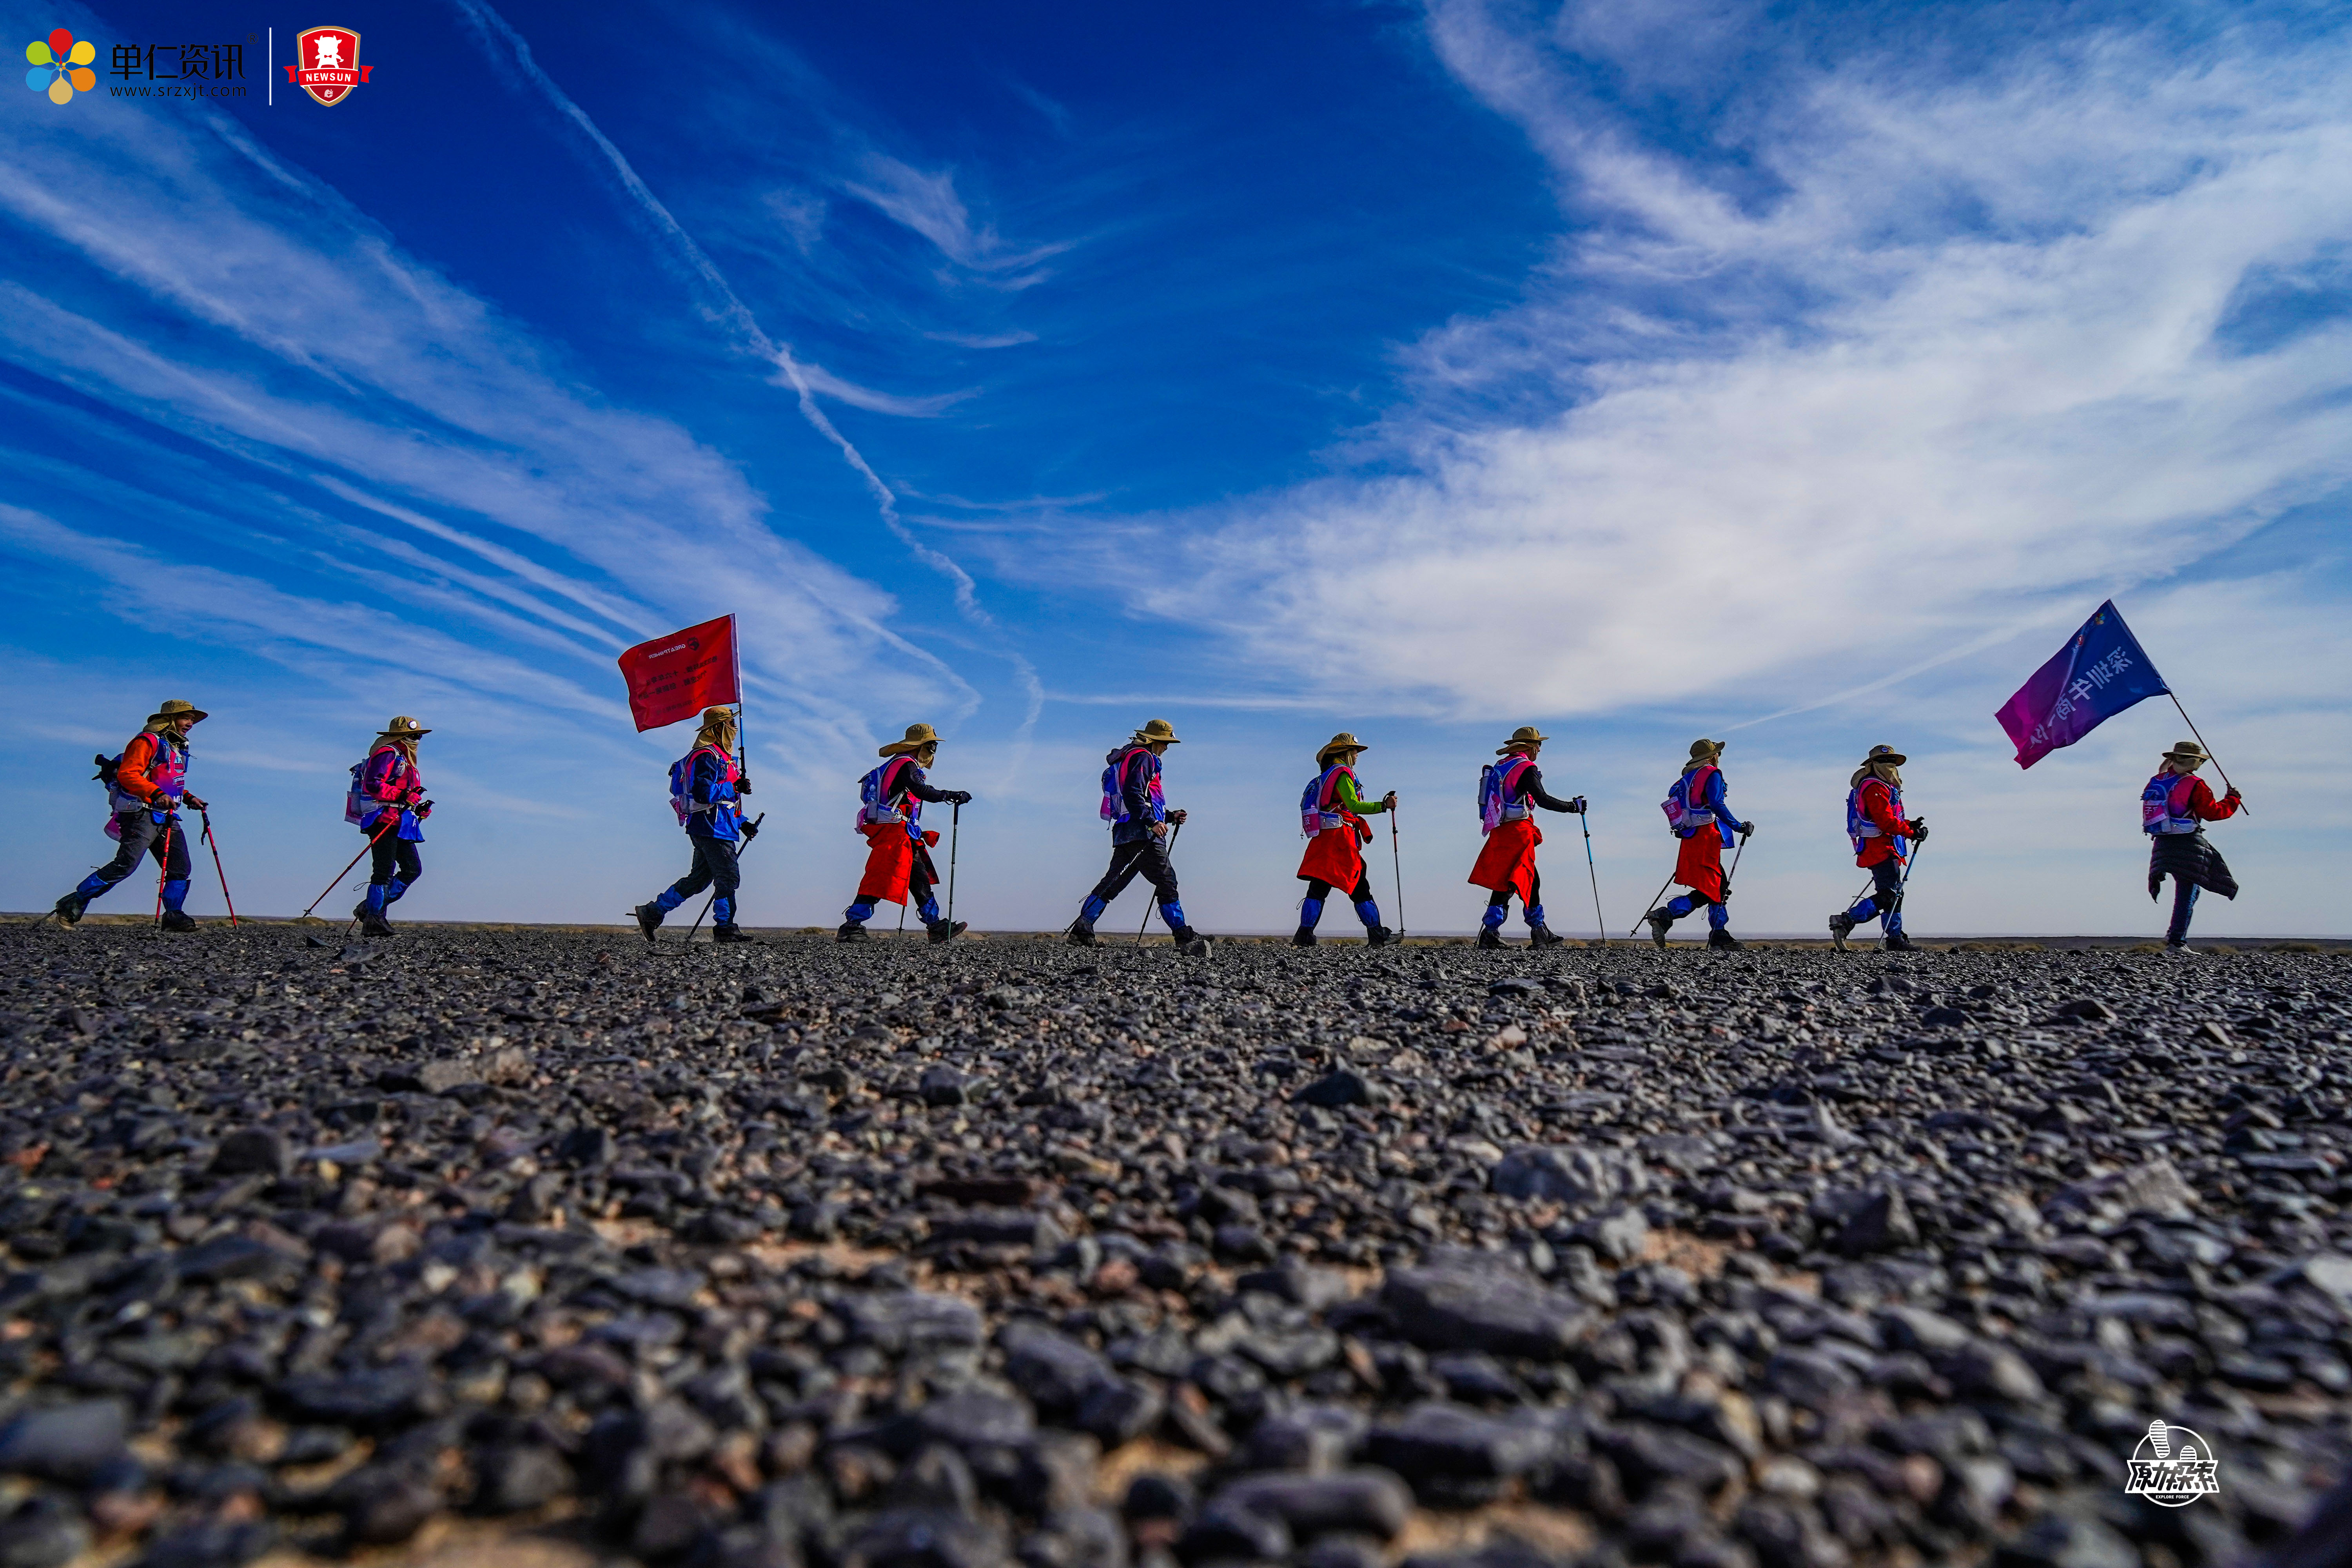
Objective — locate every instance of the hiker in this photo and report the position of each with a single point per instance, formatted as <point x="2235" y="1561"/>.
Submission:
<point x="1508" y="792"/>
<point x="145" y="787"/>
<point x="388" y="782"/>
<point x="1332" y="813"/>
<point x="1702" y="819"/>
<point x="706" y="790"/>
<point x="898" y="868"/>
<point x="2174" y="809"/>
<point x="1137" y="809"/>
<point x="1881" y="839"/>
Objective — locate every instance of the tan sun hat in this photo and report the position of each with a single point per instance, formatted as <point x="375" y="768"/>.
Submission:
<point x="1704" y="749"/>
<point x="1157" y="730"/>
<point x="1342" y="742"/>
<point x="403" y="728"/>
<point x="918" y="737"/>
<point x="2186" y="754"/>
<point x="1886" y="755"/>
<point x="177" y="708"/>
<point x="1525" y="735"/>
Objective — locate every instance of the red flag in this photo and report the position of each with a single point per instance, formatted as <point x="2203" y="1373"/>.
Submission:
<point x="678" y="676"/>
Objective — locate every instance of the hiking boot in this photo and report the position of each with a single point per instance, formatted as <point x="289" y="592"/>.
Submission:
<point x="178" y="919"/>
<point x="1542" y="936"/>
<point x="947" y="931"/>
<point x="1081" y="934"/>
<point x="1721" y="941"/>
<point x="1840" y="927"/>
<point x="649" y="919"/>
<point x="1193" y="945"/>
<point x="372" y="925"/>
<point x="1490" y="937"/>
<point x="1661" y="924"/>
<point x="730" y="932"/>
<point x="1379" y="936"/>
<point x="71" y="908"/>
<point x="1303" y="937"/>
<point x="1898" y="942"/>
<point x="853" y="931"/>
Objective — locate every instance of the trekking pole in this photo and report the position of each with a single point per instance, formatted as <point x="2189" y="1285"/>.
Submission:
<point x="213" y="845"/>
<point x="713" y="898"/>
<point x="1396" y="860"/>
<point x="1599" y="924"/>
<point x="164" y="872"/>
<point x="2209" y="752"/>
<point x="955" y="828"/>
<point x="392" y="820"/>
<point x="1654" y="902"/>
<point x="1174" y="834"/>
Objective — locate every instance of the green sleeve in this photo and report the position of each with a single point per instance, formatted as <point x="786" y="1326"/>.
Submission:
<point x="1354" y="801"/>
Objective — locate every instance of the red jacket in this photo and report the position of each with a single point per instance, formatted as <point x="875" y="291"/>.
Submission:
<point x="2201" y="803"/>
<point x="1877" y="806"/>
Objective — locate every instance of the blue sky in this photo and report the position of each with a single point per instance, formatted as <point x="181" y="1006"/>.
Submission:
<point x="1800" y="374"/>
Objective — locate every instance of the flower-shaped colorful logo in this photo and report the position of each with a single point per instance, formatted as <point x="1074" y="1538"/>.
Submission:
<point x="60" y="66"/>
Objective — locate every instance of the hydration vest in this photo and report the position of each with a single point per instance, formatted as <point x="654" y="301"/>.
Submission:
<point x="1319" y="809"/>
<point x="874" y="805"/>
<point x="361" y="804"/>
<point x="168" y="772"/>
<point x="1860" y="828"/>
<point x="681" y="785"/>
<point x="1113" y="800"/>
<point x="2164" y="804"/>
<point x="1684" y="814"/>
<point x="1496" y="786"/>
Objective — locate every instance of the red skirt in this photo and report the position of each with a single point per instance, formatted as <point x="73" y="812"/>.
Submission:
<point x="1335" y="855"/>
<point x="1700" y="865"/>
<point x="1508" y="860"/>
<point x="891" y="861"/>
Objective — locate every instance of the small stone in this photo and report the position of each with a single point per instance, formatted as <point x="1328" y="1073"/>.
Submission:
<point x="1569" y="1173"/>
<point x="256" y="1151"/>
<point x="1343" y="1087"/>
<point x="1361" y="1502"/>
<point x="1506" y="1314"/>
<point x="68" y="1443"/>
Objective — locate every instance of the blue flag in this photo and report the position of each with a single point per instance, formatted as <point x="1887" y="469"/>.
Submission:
<point x="2100" y="672"/>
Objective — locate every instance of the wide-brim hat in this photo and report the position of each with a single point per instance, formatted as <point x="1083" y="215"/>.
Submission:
<point x="1703" y="748"/>
<point x="177" y="708"/>
<point x="717" y="715"/>
<point x="2188" y="751"/>
<point x="918" y="737"/>
<point x="403" y="728"/>
<point x="1158" y="730"/>
<point x="1342" y="742"/>
<point x="1886" y="755"/>
<point x="1525" y="735"/>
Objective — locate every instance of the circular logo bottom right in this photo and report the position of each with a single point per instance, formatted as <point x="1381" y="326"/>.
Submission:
<point x="2173" y="1467"/>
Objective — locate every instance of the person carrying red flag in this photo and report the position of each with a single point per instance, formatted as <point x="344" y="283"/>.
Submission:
<point x="707" y="790"/>
<point x="388" y="782"/>
<point x="898" y="868"/>
<point x="1882" y="838"/>
<point x="1699" y="816"/>
<point x="1332" y="814"/>
<point x="1508" y="792"/>
<point x="146" y="786"/>
<point x="2174" y="809"/>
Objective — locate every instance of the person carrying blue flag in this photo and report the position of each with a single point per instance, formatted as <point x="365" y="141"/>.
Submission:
<point x="1882" y="838"/>
<point x="145" y="787"/>
<point x="706" y="790"/>
<point x="2174" y="808"/>
<point x="1703" y="820"/>
<point x="1136" y="807"/>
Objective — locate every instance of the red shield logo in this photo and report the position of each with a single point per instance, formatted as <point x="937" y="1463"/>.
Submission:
<point x="327" y="63"/>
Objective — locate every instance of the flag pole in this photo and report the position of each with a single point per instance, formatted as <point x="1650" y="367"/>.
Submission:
<point x="2208" y="750"/>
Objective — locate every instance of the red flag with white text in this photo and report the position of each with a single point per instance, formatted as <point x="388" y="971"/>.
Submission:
<point x="678" y="676"/>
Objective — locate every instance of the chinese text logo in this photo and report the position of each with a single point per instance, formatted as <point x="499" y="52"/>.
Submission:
<point x="2173" y="1467"/>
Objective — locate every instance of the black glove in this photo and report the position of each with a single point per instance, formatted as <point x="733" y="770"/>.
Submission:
<point x="959" y="797"/>
<point x="742" y="783"/>
<point x="1747" y="828"/>
<point x="423" y="809"/>
<point x="1919" y="832"/>
<point x="1577" y="805"/>
<point x="750" y="831"/>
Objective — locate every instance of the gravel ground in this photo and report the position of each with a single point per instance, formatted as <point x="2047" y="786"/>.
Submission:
<point x="897" y="1257"/>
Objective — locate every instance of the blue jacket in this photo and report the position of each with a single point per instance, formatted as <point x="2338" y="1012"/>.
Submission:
<point x="710" y="787"/>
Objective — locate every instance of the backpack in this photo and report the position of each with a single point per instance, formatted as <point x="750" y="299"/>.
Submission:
<point x="1859" y="828"/>
<point x="2164" y="804"/>
<point x="358" y="805"/>
<point x="681" y="783"/>
<point x="1495" y="806"/>
<point x="873" y="807"/>
<point x="1319" y="808"/>
<point x="1683" y="818"/>
<point x="1114" y="796"/>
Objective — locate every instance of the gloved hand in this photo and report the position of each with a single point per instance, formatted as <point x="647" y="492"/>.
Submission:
<point x="750" y="831"/>
<point x="1747" y="829"/>
<point x="423" y="809"/>
<point x="195" y="800"/>
<point x="742" y="783"/>
<point x="959" y="797"/>
<point x="1177" y="818"/>
<point x="1577" y="805"/>
<point x="1389" y="800"/>
<point x="1918" y="831"/>
<point x="2233" y="794"/>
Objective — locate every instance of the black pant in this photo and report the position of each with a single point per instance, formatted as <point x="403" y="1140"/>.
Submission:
<point x="714" y="863"/>
<point x="395" y="854"/>
<point x="1146" y="858"/>
<point x="143" y="834"/>
<point x="1501" y="897"/>
<point x="1319" y="889"/>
